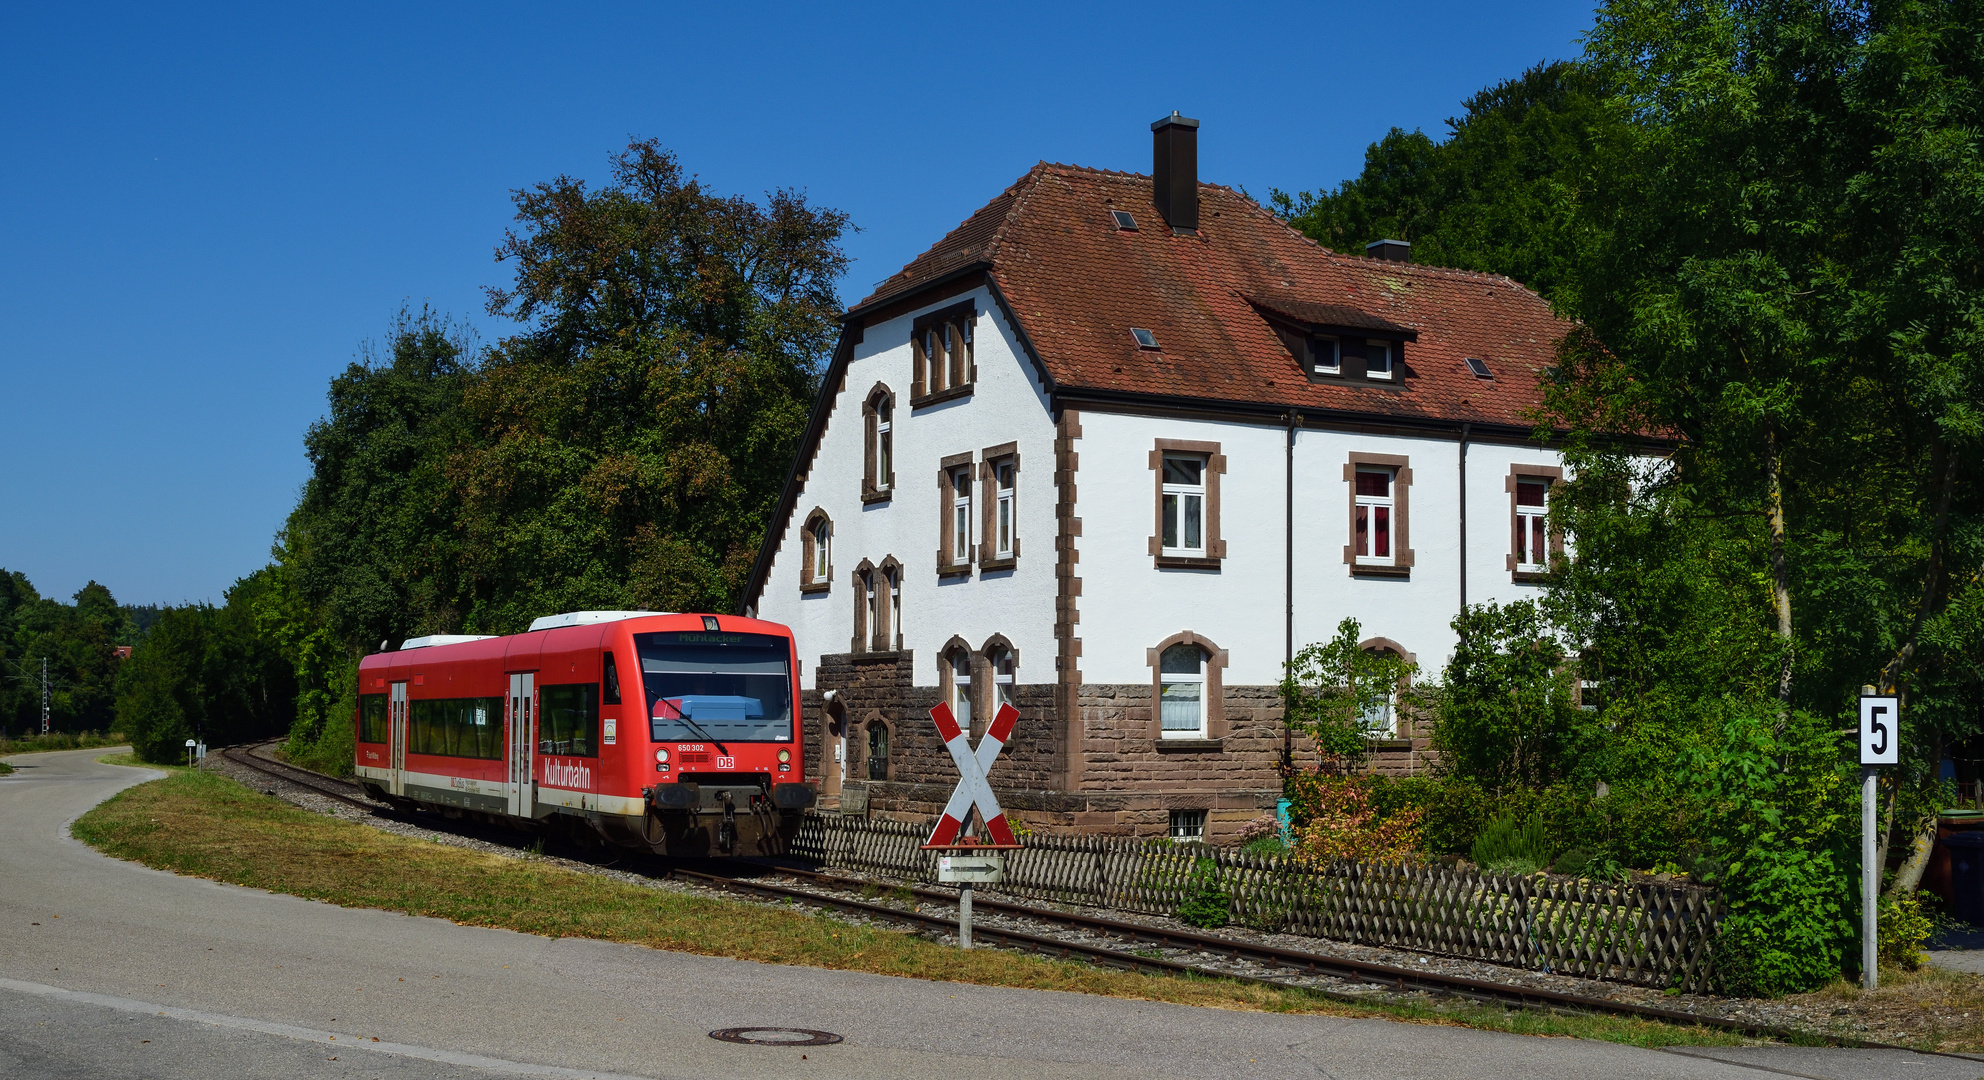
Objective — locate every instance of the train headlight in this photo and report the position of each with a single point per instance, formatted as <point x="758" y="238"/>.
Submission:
<point x="785" y="755"/>
<point x="660" y="756"/>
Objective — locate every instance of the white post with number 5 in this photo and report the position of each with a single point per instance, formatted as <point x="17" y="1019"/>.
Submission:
<point x="1879" y="739"/>
<point x="1880" y="744"/>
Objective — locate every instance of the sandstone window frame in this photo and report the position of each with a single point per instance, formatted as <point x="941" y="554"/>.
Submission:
<point x="990" y="692"/>
<point x="1215" y="467"/>
<point x="1402" y="553"/>
<point x="943" y="354"/>
<point x="957" y="653"/>
<point x="865" y="609"/>
<point x="1212" y="702"/>
<point x="995" y="500"/>
<point x="1552" y="476"/>
<point x="816" y="534"/>
<point x="871" y="725"/>
<point x="889" y="575"/>
<point x="878" y="457"/>
<point x="1392" y="731"/>
<point x="953" y="484"/>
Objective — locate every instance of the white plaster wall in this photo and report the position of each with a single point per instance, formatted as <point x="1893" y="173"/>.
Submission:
<point x="1007" y="404"/>
<point x="1414" y="611"/>
<point x="1127" y="604"/>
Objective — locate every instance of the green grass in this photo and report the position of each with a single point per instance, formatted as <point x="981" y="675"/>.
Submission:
<point x="208" y="826"/>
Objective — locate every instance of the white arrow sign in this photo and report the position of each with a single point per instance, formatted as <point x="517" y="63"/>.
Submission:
<point x="972" y="789"/>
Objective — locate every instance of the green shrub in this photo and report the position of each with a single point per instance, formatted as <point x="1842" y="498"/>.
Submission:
<point x="1512" y="845"/>
<point x="1269" y="847"/>
<point x="1206" y="906"/>
<point x="1904" y="929"/>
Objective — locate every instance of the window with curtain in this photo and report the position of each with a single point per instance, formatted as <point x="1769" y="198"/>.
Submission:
<point x="1184" y="505"/>
<point x="1532" y="511"/>
<point x="1374" y="516"/>
<point x="1181" y="692"/>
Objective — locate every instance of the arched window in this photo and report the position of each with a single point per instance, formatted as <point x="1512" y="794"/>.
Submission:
<point x="1181" y="691"/>
<point x="816" y="570"/>
<point x="1001" y="664"/>
<point x="888" y="584"/>
<point x="954" y="680"/>
<point x="961" y="688"/>
<point x="867" y="613"/>
<point x="878" y="750"/>
<point x="878" y="471"/>
<point x="877" y="627"/>
<point x="1186" y="694"/>
<point x="1377" y="706"/>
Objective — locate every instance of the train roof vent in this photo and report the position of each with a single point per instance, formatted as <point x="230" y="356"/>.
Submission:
<point x="587" y="618"/>
<point x="441" y="639"/>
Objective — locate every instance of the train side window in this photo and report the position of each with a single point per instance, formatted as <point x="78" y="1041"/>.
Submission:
<point x="610" y="683"/>
<point x="568" y="720"/>
<point x="372" y="726"/>
<point x="456" y="727"/>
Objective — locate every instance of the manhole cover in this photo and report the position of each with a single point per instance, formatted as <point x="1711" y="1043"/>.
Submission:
<point x="768" y="1036"/>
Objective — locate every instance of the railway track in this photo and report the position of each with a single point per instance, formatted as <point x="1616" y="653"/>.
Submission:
<point x="1286" y="962"/>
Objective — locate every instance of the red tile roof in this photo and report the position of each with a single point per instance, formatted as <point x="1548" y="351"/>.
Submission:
<point x="1078" y="284"/>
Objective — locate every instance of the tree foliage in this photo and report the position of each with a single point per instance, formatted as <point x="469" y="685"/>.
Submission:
<point x="1508" y="712"/>
<point x="623" y="450"/>
<point x="206" y="673"/>
<point x="1331" y="690"/>
<point x="1502" y="193"/>
<point x="79" y="642"/>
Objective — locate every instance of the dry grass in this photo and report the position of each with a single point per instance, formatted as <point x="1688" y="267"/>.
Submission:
<point x="208" y="826"/>
<point x="60" y="740"/>
<point x="1928" y="1008"/>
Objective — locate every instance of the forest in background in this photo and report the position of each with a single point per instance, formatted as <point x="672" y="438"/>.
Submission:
<point x="1762" y="221"/>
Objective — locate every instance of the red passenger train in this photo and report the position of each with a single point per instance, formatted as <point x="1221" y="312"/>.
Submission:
<point x="676" y="734"/>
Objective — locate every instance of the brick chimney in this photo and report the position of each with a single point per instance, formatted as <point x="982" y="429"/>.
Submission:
<point x="1174" y="171"/>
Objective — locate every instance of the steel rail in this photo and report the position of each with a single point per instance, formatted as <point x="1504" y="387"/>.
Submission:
<point x="1297" y="963"/>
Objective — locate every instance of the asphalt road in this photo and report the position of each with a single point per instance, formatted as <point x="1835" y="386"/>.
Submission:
<point x="112" y="970"/>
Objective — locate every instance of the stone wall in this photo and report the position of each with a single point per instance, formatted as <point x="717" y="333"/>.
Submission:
<point x="1128" y="779"/>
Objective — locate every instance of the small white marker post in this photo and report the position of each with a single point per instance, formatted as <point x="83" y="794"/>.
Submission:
<point x="962" y="871"/>
<point x="1880" y="738"/>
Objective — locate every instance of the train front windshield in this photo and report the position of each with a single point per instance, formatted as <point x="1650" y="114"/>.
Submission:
<point x="715" y="687"/>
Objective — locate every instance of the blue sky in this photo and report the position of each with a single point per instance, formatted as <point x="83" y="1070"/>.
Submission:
<point x="205" y="212"/>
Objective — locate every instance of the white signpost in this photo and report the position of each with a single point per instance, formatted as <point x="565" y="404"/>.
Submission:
<point x="972" y="791"/>
<point x="1880" y="744"/>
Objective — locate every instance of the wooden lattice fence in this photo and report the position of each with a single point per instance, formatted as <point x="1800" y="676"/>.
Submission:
<point x="1651" y="934"/>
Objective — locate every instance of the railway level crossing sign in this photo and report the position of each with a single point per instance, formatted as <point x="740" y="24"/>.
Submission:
<point x="1880" y="744"/>
<point x="973" y="791"/>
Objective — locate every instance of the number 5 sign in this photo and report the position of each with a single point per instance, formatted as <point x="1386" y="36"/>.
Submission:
<point x="1880" y="734"/>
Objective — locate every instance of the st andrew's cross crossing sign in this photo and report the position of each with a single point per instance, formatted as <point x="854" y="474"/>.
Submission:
<point x="972" y="789"/>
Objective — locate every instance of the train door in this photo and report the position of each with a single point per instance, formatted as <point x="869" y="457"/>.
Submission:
<point x="397" y="744"/>
<point x="523" y="714"/>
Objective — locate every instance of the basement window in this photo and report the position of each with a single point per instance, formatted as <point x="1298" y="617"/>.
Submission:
<point x="1188" y="825"/>
<point x="1479" y="367"/>
<point x="1124" y="221"/>
<point x="1145" y="339"/>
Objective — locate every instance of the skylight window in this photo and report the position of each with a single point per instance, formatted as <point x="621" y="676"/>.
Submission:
<point x="1124" y="221"/>
<point x="1145" y="339"/>
<point x="1479" y="367"/>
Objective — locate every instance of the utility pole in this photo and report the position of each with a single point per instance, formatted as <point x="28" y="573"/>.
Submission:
<point x="44" y="695"/>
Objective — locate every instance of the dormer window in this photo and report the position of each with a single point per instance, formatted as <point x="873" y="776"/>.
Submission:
<point x="1378" y="359"/>
<point x="1324" y="356"/>
<point x="1145" y="339"/>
